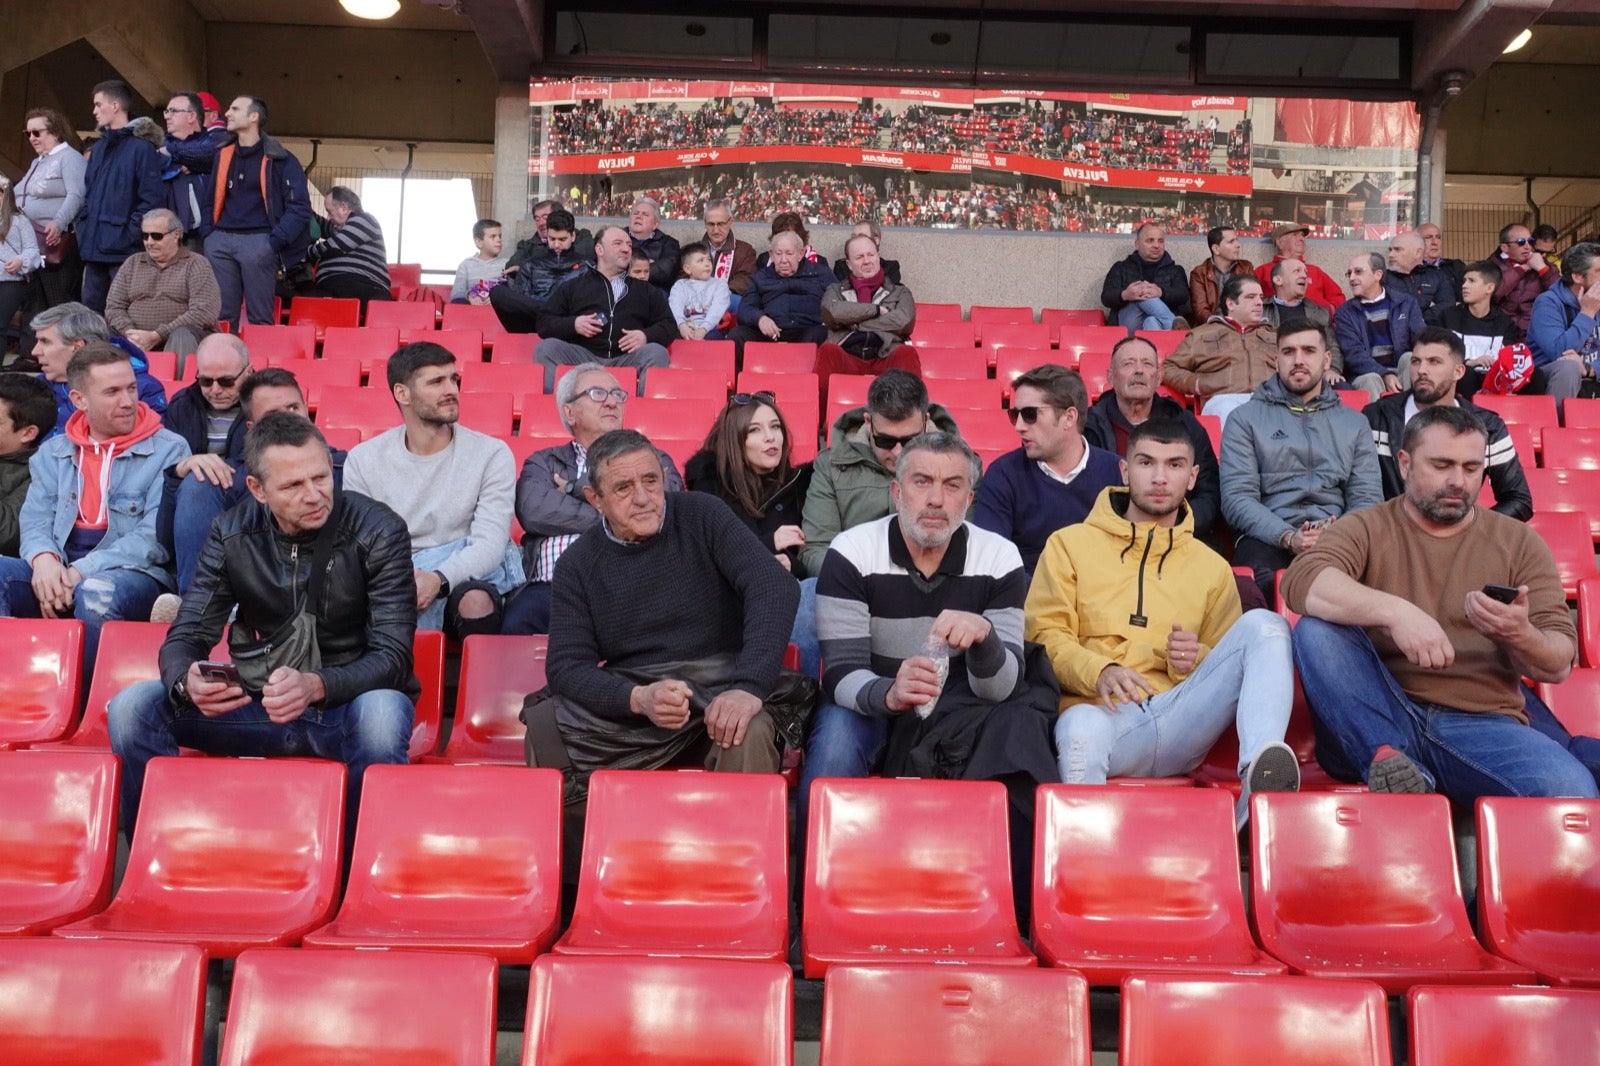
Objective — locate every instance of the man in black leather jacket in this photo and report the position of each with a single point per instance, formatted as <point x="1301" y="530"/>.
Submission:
<point x="357" y="705"/>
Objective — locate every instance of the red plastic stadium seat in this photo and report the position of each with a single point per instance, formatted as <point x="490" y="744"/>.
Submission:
<point x="58" y="838"/>
<point x="322" y="312"/>
<point x="908" y="871"/>
<point x="1567" y="490"/>
<point x="497" y="672"/>
<point x="1589" y="622"/>
<point x="368" y="408"/>
<point x="1095" y="369"/>
<point x="487" y="411"/>
<point x="314" y="375"/>
<point x="95" y="1004"/>
<point x="913" y="1015"/>
<point x="673" y="383"/>
<point x="846" y="392"/>
<point x="427" y="654"/>
<point x="959" y="364"/>
<point x="1355" y="399"/>
<point x="583" y="1011"/>
<point x="163" y="366"/>
<point x="1521" y="443"/>
<point x="511" y="347"/>
<point x="1581" y="414"/>
<point x="1497" y="1026"/>
<point x="998" y="336"/>
<point x="1140" y="880"/>
<point x="1362" y="884"/>
<point x="362" y="346"/>
<point x="683" y="865"/>
<point x="1539" y="887"/>
<point x="41" y="674"/>
<point x="789" y="389"/>
<point x="318" y="1008"/>
<point x="479" y="317"/>
<point x="342" y="438"/>
<point x="1225" y="1021"/>
<point x="465" y="344"/>
<point x="453" y="858"/>
<point x="704" y="355"/>
<point x="767" y="357"/>
<point x="1165" y="340"/>
<point x="127" y="655"/>
<point x="1535" y="412"/>
<point x="409" y="317"/>
<point x="513" y="379"/>
<point x="935" y="333"/>
<point x="990" y="434"/>
<point x="1568" y="535"/>
<point x="271" y="342"/>
<point x="982" y="317"/>
<point x="1057" y="317"/>
<point x="1076" y="340"/>
<point x="938" y="312"/>
<point x="958" y="397"/>
<point x="1213" y="426"/>
<point x="400" y="274"/>
<point x="1577" y="448"/>
<point x="229" y="854"/>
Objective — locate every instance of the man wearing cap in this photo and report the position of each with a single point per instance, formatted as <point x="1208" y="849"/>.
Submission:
<point x="1290" y="239"/>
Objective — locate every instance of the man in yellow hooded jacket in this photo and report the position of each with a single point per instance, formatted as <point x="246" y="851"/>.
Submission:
<point x="1143" y="626"/>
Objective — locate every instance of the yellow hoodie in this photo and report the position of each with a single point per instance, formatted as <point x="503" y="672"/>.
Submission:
<point x="1108" y="590"/>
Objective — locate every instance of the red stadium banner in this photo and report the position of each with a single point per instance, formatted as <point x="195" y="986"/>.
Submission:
<point x="1348" y="123"/>
<point x="1084" y="173"/>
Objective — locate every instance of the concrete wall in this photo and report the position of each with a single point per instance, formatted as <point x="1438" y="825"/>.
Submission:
<point x="1524" y="119"/>
<point x="1035" y="269"/>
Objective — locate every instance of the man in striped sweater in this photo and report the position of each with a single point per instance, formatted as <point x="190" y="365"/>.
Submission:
<point x="350" y="257"/>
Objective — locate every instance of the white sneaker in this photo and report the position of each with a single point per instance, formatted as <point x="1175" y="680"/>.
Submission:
<point x="165" y="609"/>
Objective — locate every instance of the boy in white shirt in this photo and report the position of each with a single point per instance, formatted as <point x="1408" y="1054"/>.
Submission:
<point x="479" y="273"/>
<point x="700" y="300"/>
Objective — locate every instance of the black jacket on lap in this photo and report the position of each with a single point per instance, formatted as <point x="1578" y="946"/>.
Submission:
<point x="368" y="618"/>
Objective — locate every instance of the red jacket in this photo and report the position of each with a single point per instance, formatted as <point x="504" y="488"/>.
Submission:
<point x="1320" y="288"/>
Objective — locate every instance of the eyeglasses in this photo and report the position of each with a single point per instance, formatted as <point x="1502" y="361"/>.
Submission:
<point x="178" y="111"/>
<point x="599" y="395"/>
<point x="740" y="399"/>
<point x="1029" y="415"/>
<point x="149" y="236"/>
<point x="221" y="383"/>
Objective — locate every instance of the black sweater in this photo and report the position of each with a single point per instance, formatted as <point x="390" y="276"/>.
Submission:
<point x="702" y="585"/>
<point x="783" y="506"/>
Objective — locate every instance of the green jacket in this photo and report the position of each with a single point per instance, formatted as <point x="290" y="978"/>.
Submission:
<point x="848" y="485"/>
<point x="14" y="481"/>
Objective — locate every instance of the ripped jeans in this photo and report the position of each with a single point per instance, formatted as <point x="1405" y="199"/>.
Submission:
<point x="110" y="595"/>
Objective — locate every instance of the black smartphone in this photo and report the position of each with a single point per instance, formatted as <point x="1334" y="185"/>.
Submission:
<point x="1503" y="593"/>
<point x="225" y="673"/>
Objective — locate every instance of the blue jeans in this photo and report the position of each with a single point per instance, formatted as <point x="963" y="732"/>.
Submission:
<point x="1359" y="707"/>
<point x="195" y="502"/>
<point x="1146" y="314"/>
<point x="375" y="727"/>
<point x="97" y="279"/>
<point x="528" y="610"/>
<point x="804" y="633"/>
<point x="111" y="595"/>
<point x="1247" y="681"/>
<point x="502" y="581"/>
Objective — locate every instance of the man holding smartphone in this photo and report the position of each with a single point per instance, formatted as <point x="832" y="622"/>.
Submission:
<point x="1411" y="660"/>
<point x="350" y="697"/>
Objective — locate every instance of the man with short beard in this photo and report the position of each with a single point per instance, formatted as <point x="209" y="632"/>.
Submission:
<point x="1412" y="668"/>
<point x="1438" y="361"/>
<point x="1153" y="671"/>
<point x="1293" y="460"/>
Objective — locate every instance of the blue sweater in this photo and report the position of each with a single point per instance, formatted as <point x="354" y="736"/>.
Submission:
<point x="1021" y="503"/>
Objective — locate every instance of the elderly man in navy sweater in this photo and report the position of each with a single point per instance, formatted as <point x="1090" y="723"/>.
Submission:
<point x="1055" y="477"/>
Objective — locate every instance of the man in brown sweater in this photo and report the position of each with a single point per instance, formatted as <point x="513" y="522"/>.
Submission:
<point x="165" y="297"/>
<point x="1412" y="669"/>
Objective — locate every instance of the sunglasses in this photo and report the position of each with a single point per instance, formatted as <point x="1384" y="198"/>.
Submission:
<point x="1521" y="240"/>
<point x="599" y="395"/>
<point x="148" y="236"/>
<point x="221" y="383"/>
<point x="1029" y="415"/>
<point x="37" y="133"/>
<point x="740" y="399"/>
<point x="886" y="443"/>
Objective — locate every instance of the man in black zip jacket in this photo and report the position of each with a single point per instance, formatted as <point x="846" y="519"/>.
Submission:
<point x="1438" y="360"/>
<point x="353" y="704"/>
<point x="605" y="316"/>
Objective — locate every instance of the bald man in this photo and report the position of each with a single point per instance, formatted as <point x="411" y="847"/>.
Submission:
<point x="1409" y="272"/>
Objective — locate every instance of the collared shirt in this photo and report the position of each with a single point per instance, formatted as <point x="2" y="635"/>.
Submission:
<point x="550" y="548"/>
<point x="1070" y="475"/>
<point x="605" y="527"/>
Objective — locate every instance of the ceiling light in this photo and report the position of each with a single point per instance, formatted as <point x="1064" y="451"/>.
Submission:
<point x="371" y="9"/>
<point x="1518" y="41"/>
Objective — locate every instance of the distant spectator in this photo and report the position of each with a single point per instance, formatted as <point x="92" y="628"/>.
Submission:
<point x="164" y="298"/>
<point x="121" y="182"/>
<point x="1206" y="280"/>
<point x="604" y="316"/>
<point x="1290" y="241"/>
<point x="350" y="257"/>
<point x="65" y="328"/>
<point x="27" y="415"/>
<point x="866" y="228"/>
<point x="479" y="273"/>
<point x="699" y="299"/>
<point x="530" y="280"/>
<point x="1431" y="286"/>
<point x="213" y="112"/>
<point x="784" y="302"/>
<point x="1433" y="253"/>
<point x="1564" y="332"/>
<point x="1288" y="304"/>
<point x="639" y="266"/>
<point x="1222" y="360"/>
<point x="649" y="240"/>
<point x="1375" y="328"/>
<point x="869" y="319"/>
<point x="50" y="194"/>
<point x="1147" y="290"/>
<point x="1524" y="274"/>
<point x="19" y="257"/>
<point x="1483" y="328"/>
<point x="791" y="222"/>
<point x="191" y="154"/>
<point x="733" y="260"/>
<point x="1544" y="242"/>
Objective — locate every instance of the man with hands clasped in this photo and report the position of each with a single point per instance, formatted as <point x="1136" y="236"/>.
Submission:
<point x="1142" y="624"/>
<point x="1422" y="614"/>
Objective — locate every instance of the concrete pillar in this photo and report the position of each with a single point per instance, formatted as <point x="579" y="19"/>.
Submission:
<point x="511" y="146"/>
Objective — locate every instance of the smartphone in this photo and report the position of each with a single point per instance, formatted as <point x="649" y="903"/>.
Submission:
<point x="1503" y="593"/>
<point x="225" y="673"/>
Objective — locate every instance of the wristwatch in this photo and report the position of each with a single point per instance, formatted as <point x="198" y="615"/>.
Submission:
<point x="444" y="585"/>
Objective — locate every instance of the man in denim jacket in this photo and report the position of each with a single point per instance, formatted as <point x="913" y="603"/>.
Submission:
<point x="89" y="547"/>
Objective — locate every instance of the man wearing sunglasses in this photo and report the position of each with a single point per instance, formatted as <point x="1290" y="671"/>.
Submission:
<point x="164" y="298"/>
<point x="1524" y="274"/>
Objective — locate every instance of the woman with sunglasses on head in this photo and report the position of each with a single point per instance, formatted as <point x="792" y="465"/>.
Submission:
<point x="49" y="194"/>
<point x="19" y="256"/>
<point x="745" y="461"/>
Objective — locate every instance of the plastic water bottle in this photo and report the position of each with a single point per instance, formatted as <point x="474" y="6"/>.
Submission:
<point x="936" y="649"/>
